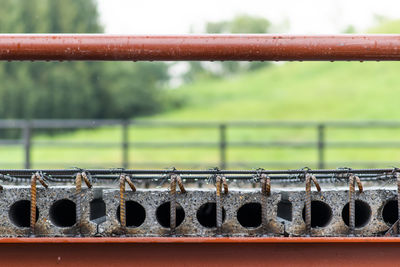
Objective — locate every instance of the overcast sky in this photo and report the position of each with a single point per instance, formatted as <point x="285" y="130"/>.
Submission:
<point x="304" y="16"/>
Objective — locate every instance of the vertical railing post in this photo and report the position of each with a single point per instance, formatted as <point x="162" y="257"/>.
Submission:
<point x="27" y="139"/>
<point x="321" y="146"/>
<point x="222" y="146"/>
<point x="125" y="144"/>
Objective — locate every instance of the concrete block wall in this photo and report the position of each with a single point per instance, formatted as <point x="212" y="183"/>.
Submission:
<point x="147" y="212"/>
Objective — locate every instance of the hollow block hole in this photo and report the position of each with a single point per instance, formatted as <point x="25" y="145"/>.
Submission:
<point x="163" y="214"/>
<point x="207" y="215"/>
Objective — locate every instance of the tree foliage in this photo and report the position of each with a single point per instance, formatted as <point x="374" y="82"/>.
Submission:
<point x="72" y="89"/>
<point x="240" y="24"/>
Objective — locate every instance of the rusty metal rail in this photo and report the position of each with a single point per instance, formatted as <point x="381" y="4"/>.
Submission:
<point x="198" y="47"/>
<point x="196" y="251"/>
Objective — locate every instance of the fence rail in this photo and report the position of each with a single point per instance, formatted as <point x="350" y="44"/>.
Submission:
<point x="27" y="128"/>
<point x="268" y="47"/>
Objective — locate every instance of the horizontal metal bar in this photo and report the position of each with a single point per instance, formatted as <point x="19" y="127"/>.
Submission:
<point x="74" y="144"/>
<point x="56" y="123"/>
<point x="83" y="144"/>
<point x="161" y="145"/>
<point x="277" y="124"/>
<point x="157" y="178"/>
<point x="363" y="144"/>
<point x="200" y="251"/>
<point x="88" y="123"/>
<point x="5" y="142"/>
<point x="197" y="172"/>
<point x="257" y="124"/>
<point x="188" y="240"/>
<point x="250" y="144"/>
<point x="198" y="47"/>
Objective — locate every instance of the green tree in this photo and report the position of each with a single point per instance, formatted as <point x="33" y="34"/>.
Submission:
<point x="72" y="89"/>
<point x="239" y="24"/>
<point x="130" y="87"/>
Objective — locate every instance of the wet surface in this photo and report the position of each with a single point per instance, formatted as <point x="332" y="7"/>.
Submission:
<point x="199" y="47"/>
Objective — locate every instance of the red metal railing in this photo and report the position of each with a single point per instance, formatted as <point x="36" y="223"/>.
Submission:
<point x="198" y="47"/>
<point x="199" y="252"/>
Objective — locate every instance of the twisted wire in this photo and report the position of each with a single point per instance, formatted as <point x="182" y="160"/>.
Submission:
<point x="122" y="211"/>
<point x="130" y="183"/>
<point x="351" y="205"/>
<point x="180" y="184"/>
<point x="359" y="184"/>
<point x="225" y="185"/>
<point x="172" y="206"/>
<point x="86" y="179"/>
<point x="78" y="198"/>
<point x="33" y="204"/>
<point x="308" y="204"/>
<point x="265" y="192"/>
<point x="36" y="176"/>
<point x="218" y="204"/>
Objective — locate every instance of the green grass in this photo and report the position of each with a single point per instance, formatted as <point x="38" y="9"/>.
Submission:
<point x="306" y="91"/>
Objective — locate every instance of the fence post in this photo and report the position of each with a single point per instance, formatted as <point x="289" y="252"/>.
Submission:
<point x="321" y="145"/>
<point x="125" y="144"/>
<point x="27" y="136"/>
<point x="222" y="146"/>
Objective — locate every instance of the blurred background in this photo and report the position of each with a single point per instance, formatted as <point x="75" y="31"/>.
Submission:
<point x="199" y="114"/>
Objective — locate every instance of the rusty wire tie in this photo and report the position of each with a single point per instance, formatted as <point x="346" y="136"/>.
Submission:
<point x="265" y="182"/>
<point x="175" y="179"/>
<point x="219" y="182"/>
<point x="122" y="211"/>
<point x="36" y="176"/>
<point x="352" y="204"/>
<point x="309" y="178"/>
<point x="1" y="187"/>
<point x="78" y="195"/>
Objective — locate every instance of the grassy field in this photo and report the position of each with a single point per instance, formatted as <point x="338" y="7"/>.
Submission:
<point x="306" y="91"/>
